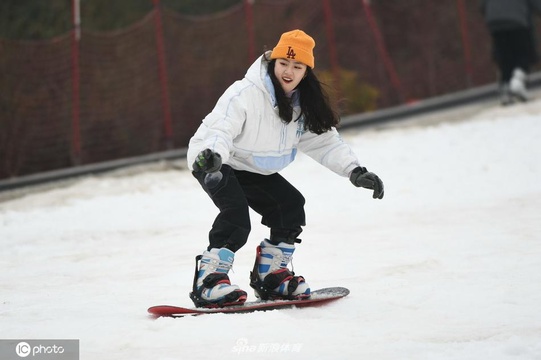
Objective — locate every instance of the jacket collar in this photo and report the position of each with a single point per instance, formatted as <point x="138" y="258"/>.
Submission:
<point x="258" y="74"/>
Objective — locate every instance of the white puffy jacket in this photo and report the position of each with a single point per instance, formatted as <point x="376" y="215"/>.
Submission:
<point x="245" y="129"/>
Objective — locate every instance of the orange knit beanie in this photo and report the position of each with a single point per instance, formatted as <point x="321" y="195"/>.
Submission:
<point x="295" y="45"/>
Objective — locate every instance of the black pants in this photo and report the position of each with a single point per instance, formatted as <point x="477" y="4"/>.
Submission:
<point x="513" y="49"/>
<point x="280" y="205"/>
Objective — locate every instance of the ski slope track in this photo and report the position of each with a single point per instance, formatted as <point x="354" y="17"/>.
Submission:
<point x="446" y="266"/>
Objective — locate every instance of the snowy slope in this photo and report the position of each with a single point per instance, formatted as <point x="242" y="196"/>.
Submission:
<point x="446" y="266"/>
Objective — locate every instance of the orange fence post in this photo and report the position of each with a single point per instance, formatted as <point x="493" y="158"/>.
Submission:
<point x="76" y="78"/>
<point x="465" y="41"/>
<point x="249" y="13"/>
<point x="387" y="61"/>
<point x="331" y="40"/>
<point x="162" y="68"/>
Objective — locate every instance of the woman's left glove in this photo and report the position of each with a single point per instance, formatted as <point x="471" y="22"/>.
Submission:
<point x="361" y="177"/>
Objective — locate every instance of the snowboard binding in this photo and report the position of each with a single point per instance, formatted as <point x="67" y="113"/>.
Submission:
<point x="265" y="289"/>
<point x="237" y="297"/>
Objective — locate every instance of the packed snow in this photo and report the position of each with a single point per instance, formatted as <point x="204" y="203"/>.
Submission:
<point x="446" y="266"/>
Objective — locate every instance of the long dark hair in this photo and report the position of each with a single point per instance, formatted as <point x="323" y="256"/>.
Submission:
<point x="319" y="114"/>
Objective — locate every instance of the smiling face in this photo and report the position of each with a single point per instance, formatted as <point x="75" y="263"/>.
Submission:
<point x="289" y="73"/>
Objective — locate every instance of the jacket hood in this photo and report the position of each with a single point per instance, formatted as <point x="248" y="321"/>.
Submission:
<point x="258" y="75"/>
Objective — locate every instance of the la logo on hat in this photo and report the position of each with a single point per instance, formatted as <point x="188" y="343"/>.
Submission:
<point x="291" y="53"/>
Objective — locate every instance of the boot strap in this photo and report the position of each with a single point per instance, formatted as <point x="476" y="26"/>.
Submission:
<point x="294" y="283"/>
<point x="214" y="279"/>
<point x="276" y="278"/>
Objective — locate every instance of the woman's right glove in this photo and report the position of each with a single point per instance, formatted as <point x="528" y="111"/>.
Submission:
<point x="207" y="161"/>
<point x="361" y="177"/>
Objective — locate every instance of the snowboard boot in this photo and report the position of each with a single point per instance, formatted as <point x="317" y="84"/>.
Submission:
<point x="505" y="95"/>
<point x="211" y="285"/>
<point x="517" y="85"/>
<point x="271" y="278"/>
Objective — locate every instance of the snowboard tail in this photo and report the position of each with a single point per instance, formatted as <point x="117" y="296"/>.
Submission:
<point x="317" y="298"/>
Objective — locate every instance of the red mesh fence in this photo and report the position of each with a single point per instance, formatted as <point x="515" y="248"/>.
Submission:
<point x="121" y="111"/>
<point x="35" y="106"/>
<point x="147" y="87"/>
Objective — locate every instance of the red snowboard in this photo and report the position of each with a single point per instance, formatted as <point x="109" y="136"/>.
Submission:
<point x="317" y="298"/>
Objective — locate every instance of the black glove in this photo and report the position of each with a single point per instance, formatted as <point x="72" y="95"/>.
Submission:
<point x="361" y="177"/>
<point x="207" y="161"/>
